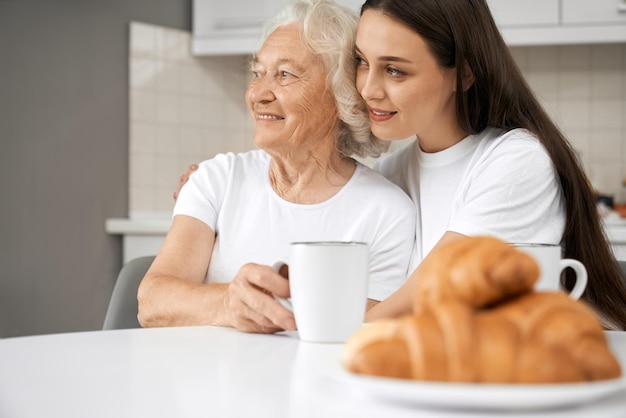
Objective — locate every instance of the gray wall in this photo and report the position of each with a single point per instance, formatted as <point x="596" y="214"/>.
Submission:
<point x="64" y="155"/>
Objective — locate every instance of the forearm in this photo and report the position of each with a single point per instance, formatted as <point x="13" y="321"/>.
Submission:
<point x="370" y="304"/>
<point x="401" y="301"/>
<point x="398" y="304"/>
<point x="170" y="301"/>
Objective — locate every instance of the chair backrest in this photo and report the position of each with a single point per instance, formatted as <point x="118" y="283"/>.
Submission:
<point x="122" y="310"/>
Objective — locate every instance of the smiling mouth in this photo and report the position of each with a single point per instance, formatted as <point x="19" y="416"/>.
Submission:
<point x="380" y="116"/>
<point x="381" y="113"/>
<point x="266" y="116"/>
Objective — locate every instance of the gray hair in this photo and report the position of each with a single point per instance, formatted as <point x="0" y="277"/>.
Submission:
<point x="328" y="30"/>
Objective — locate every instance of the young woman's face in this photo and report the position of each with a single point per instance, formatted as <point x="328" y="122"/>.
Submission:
<point x="406" y="91"/>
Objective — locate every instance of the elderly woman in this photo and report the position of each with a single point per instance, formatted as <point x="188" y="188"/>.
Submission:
<point x="238" y="212"/>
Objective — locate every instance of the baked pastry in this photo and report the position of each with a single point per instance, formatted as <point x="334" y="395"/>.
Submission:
<point x="477" y="319"/>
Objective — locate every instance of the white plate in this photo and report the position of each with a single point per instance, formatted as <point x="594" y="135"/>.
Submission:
<point x="482" y="396"/>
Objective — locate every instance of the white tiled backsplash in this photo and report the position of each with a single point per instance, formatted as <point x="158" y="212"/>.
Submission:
<point x="185" y="109"/>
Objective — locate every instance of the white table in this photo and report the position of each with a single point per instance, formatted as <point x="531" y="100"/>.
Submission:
<point x="203" y="372"/>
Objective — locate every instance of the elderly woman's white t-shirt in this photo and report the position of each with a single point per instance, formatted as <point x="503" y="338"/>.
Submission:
<point x="232" y="194"/>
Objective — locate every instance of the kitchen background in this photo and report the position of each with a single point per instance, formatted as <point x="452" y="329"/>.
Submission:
<point x="185" y="108"/>
<point x="102" y="106"/>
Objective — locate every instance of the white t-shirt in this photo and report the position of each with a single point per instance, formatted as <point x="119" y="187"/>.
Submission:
<point x="495" y="183"/>
<point x="232" y="194"/>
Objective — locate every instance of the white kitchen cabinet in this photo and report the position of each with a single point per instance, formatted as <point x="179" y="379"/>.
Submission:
<point x="229" y="27"/>
<point x="600" y="12"/>
<point x="513" y="13"/>
<point x="578" y="21"/>
<point x="233" y="27"/>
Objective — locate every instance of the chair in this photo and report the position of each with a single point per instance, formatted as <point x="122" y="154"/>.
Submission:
<point x="122" y="310"/>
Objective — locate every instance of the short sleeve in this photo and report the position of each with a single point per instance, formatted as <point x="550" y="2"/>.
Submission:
<point x="203" y="194"/>
<point x="514" y="194"/>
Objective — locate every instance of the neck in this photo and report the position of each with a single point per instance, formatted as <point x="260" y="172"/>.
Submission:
<point x="310" y="178"/>
<point x="441" y="139"/>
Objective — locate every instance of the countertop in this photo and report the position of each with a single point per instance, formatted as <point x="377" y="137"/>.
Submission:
<point x="615" y="228"/>
<point x="130" y="226"/>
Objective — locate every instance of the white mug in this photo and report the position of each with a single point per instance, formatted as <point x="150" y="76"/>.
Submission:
<point x="328" y="283"/>
<point x="551" y="265"/>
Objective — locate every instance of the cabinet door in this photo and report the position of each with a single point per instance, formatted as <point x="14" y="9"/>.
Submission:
<point x="596" y="11"/>
<point x="211" y="17"/>
<point x="234" y="26"/>
<point x="352" y="4"/>
<point x="510" y="13"/>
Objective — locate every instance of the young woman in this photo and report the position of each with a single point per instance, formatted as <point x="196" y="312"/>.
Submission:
<point x="487" y="159"/>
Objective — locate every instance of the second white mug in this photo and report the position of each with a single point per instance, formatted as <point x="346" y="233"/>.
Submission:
<point x="551" y="265"/>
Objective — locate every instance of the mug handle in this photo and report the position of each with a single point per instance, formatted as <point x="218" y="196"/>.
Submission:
<point x="286" y="303"/>
<point x="581" y="276"/>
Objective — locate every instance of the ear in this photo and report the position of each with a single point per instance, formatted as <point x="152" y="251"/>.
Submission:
<point x="467" y="77"/>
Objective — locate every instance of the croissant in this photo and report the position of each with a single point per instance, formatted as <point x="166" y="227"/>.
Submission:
<point x="476" y="318"/>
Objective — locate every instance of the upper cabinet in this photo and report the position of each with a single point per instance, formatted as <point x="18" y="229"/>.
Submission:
<point x="558" y="22"/>
<point x="526" y="13"/>
<point x="229" y="27"/>
<point x="605" y="12"/>
<point x="234" y="26"/>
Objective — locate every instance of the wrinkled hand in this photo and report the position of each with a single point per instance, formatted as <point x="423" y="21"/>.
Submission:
<point x="249" y="303"/>
<point x="183" y="179"/>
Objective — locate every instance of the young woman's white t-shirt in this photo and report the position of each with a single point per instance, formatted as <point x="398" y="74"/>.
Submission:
<point x="495" y="183"/>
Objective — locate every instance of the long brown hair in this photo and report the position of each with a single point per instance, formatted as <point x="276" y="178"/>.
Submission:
<point x="462" y="34"/>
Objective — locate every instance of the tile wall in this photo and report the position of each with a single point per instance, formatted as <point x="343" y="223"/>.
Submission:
<point x="185" y="109"/>
<point x="583" y="87"/>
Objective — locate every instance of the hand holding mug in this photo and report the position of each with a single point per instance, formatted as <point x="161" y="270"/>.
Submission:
<point x="282" y="268"/>
<point x="249" y="305"/>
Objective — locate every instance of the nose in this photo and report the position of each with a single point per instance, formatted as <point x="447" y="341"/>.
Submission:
<point x="369" y="86"/>
<point x="261" y="90"/>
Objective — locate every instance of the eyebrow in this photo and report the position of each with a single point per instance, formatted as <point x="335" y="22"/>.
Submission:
<point x="281" y="61"/>
<point x="388" y="58"/>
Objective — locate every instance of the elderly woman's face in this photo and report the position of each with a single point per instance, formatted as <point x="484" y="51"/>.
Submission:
<point x="287" y="95"/>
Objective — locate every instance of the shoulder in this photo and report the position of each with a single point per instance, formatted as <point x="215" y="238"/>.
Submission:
<point x="500" y="140"/>
<point x="515" y="146"/>
<point x="232" y="158"/>
<point x="515" y="155"/>
<point x="386" y="192"/>
<point x="231" y="161"/>
<point x="396" y="164"/>
<point x="396" y="159"/>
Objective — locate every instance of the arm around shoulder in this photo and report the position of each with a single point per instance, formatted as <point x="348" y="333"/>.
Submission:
<point x="401" y="301"/>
